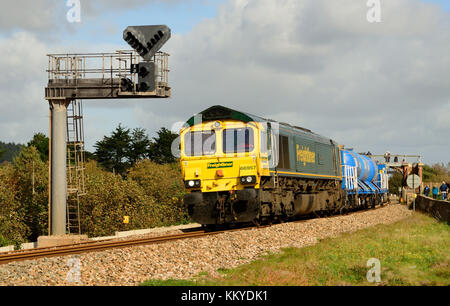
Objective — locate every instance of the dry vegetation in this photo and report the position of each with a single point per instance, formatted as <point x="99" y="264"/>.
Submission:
<point x="151" y="194"/>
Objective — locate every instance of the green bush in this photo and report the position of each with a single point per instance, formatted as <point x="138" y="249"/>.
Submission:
<point x="436" y="173"/>
<point x="13" y="226"/>
<point x="31" y="186"/>
<point x="395" y="182"/>
<point x="109" y="198"/>
<point x="165" y="185"/>
<point x="150" y="194"/>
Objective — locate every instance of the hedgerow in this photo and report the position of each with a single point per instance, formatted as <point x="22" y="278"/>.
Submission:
<point x="150" y="194"/>
<point x="163" y="183"/>
<point x="12" y="213"/>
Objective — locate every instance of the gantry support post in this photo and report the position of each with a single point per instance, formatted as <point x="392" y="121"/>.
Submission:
<point x="58" y="138"/>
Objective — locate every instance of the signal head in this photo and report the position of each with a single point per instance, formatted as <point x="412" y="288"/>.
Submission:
<point x="147" y="40"/>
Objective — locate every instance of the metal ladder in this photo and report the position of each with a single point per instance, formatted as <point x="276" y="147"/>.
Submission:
<point x="75" y="165"/>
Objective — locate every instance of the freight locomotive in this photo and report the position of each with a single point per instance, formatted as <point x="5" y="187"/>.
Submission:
<point x="240" y="168"/>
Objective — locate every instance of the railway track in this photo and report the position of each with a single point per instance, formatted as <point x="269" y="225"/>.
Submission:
<point x="93" y="246"/>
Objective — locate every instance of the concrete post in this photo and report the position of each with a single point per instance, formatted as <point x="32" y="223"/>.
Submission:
<point x="58" y="136"/>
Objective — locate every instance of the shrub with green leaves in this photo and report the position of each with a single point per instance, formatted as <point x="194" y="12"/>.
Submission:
<point x="109" y="198"/>
<point x="165" y="185"/>
<point x="150" y="194"/>
<point x="13" y="227"/>
<point x="31" y="174"/>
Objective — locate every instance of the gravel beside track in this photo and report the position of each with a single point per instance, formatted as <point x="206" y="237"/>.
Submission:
<point x="187" y="258"/>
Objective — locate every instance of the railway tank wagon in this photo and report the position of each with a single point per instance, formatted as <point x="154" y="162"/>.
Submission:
<point x="241" y="168"/>
<point x="365" y="183"/>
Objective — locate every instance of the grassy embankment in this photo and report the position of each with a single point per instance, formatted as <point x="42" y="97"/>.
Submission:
<point x="415" y="251"/>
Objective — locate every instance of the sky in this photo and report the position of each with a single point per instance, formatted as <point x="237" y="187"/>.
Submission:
<point x="320" y="64"/>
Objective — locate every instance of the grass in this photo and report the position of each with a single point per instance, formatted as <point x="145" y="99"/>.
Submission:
<point x="415" y="251"/>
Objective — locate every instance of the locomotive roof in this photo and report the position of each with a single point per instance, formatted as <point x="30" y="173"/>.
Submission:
<point x="219" y="112"/>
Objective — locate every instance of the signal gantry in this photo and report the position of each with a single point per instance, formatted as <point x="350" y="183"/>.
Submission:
<point x="133" y="74"/>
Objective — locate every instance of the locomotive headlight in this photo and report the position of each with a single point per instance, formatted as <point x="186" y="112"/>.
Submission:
<point x="248" y="180"/>
<point x="193" y="184"/>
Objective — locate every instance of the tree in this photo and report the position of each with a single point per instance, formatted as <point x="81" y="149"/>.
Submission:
<point x="31" y="174"/>
<point x="89" y="156"/>
<point x="139" y="145"/>
<point x="160" y="150"/>
<point x="2" y="152"/>
<point x="435" y="173"/>
<point x="10" y="151"/>
<point x="113" y="152"/>
<point x="124" y="148"/>
<point x="13" y="229"/>
<point x="428" y="173"/>
<point x="41" y="143"/>
<point x="395" y="182"/>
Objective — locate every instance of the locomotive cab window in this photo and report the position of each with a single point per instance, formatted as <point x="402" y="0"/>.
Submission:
<point x="200" y="143"/>
<point x="238" y="140"/>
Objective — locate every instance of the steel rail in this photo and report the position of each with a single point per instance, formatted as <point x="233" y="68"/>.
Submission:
<point x="90" y="246"/>
<point x="93" y="246"/>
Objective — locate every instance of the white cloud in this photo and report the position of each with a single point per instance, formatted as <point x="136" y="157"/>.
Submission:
<point x="23" y="109"/>
<point x="28" y="15"/>
<point x="314" y="63"/>
<point x="321" y="65"/>
<point x="48" y="18"/>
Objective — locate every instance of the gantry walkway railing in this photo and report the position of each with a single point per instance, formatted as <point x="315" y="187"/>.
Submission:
<point x="103" y="76"/>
